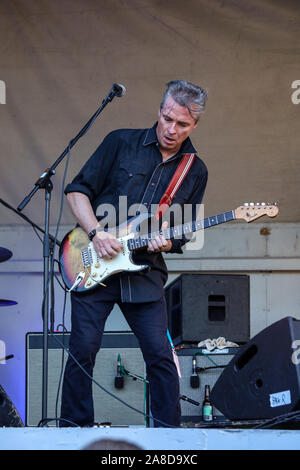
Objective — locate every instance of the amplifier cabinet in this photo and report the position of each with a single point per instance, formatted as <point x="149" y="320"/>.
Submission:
<point x="106" y="407"/>
<point x="210" y="362"/>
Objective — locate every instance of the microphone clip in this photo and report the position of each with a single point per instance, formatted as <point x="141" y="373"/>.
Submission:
<point x="116" y="90"/>
<point x="194" y="378"/>
<point x="119" y="379"/>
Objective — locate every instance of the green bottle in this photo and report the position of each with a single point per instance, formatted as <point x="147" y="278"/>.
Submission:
<point x="207" y="408"/>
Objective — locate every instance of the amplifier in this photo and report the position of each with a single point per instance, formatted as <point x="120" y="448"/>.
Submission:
<point x="107" y="408"/>
<point x="210" y="367"/>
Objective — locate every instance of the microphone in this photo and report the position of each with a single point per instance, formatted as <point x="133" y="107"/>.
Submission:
<point x="193" y="402"/>
<point x="118" y="89"/>
<point x="194" y="379"/>
<point x="10" y="356"/>
<point x="119" y="379"/>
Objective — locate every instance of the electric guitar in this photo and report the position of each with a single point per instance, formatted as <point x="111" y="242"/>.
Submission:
<point x="82" y="269"/>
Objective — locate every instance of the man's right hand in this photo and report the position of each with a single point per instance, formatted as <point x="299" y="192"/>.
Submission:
<point x="106" y="245"/>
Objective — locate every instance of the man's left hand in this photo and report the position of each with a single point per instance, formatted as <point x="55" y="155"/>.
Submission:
<point x="160" y="243"/>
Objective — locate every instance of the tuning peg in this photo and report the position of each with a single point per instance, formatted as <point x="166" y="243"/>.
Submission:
<point x="263" y="203"/>
<point x="246" y="204"/>
<point x="258" y="204"/>
<point x="252" y="204"/>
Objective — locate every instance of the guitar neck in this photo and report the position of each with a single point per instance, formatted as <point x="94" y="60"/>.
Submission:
<point x="180" y="230"/>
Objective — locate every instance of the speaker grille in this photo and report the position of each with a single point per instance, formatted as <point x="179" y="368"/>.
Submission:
<point x="107" y="408"/>
<point x="210" y="361"/>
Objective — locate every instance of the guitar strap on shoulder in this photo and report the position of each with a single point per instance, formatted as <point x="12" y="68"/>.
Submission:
<point x="175" y="183"/>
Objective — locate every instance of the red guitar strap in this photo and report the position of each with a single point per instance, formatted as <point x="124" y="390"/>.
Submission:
<point x="178" y="177"/>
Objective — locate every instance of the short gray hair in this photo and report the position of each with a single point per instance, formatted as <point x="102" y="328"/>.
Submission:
<point x="186" y="94"/>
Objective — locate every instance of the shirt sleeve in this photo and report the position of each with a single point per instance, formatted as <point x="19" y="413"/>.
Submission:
<point x="91" y="178"/>
<point x="195" y="198"/>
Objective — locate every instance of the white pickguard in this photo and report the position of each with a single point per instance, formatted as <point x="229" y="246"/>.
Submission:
<point x="100" y="268"/>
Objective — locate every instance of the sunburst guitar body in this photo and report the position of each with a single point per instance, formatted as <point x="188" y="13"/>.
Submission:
<point x="80" y="266"/>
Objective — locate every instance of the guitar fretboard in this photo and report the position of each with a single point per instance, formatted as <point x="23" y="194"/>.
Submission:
<point x="181" y="230"/>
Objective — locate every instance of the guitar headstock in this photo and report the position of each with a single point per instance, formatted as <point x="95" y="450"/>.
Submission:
<point x="251" y="211"/>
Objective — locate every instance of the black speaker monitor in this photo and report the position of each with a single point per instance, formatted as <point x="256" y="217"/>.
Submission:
<point x="202" y="306"/>
<point x="263" y="380"/>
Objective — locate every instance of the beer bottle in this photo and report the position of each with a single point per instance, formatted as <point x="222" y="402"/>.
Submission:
<point x="207" y="409"/>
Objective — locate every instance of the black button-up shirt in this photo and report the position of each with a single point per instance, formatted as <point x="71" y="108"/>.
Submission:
<point x="128" y="163"/>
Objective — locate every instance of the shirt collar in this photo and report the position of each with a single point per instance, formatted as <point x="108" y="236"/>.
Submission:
<point x="151" y="138"/>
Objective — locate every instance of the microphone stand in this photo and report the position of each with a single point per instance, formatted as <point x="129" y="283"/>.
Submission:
<point x="181" y="397"/>
<point x="33" y="224"/>
<point x="44" y="182"/>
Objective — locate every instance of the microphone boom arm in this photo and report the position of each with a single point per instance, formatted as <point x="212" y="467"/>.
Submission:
<point x="43" y="181"/>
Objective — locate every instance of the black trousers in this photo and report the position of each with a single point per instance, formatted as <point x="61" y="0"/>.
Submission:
<point x="148" y="321"/>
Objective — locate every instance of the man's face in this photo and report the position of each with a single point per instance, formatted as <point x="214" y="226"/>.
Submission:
<point x="174" y="125"/>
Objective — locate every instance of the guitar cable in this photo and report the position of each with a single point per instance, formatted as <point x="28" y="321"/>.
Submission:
<point x="65" y="348"/>
<point x="62" y="355"/>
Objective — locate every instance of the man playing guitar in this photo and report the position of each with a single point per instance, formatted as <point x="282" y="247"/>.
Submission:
<point x="138" y="164"/>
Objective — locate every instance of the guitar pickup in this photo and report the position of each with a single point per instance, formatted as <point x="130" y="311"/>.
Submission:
<point x="85" y="256"/>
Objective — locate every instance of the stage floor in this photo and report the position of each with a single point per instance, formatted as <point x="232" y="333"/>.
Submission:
<point x="29" y="438"/>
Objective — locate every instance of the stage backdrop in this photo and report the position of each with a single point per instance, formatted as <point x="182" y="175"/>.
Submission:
<point x="59" y="59"/>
